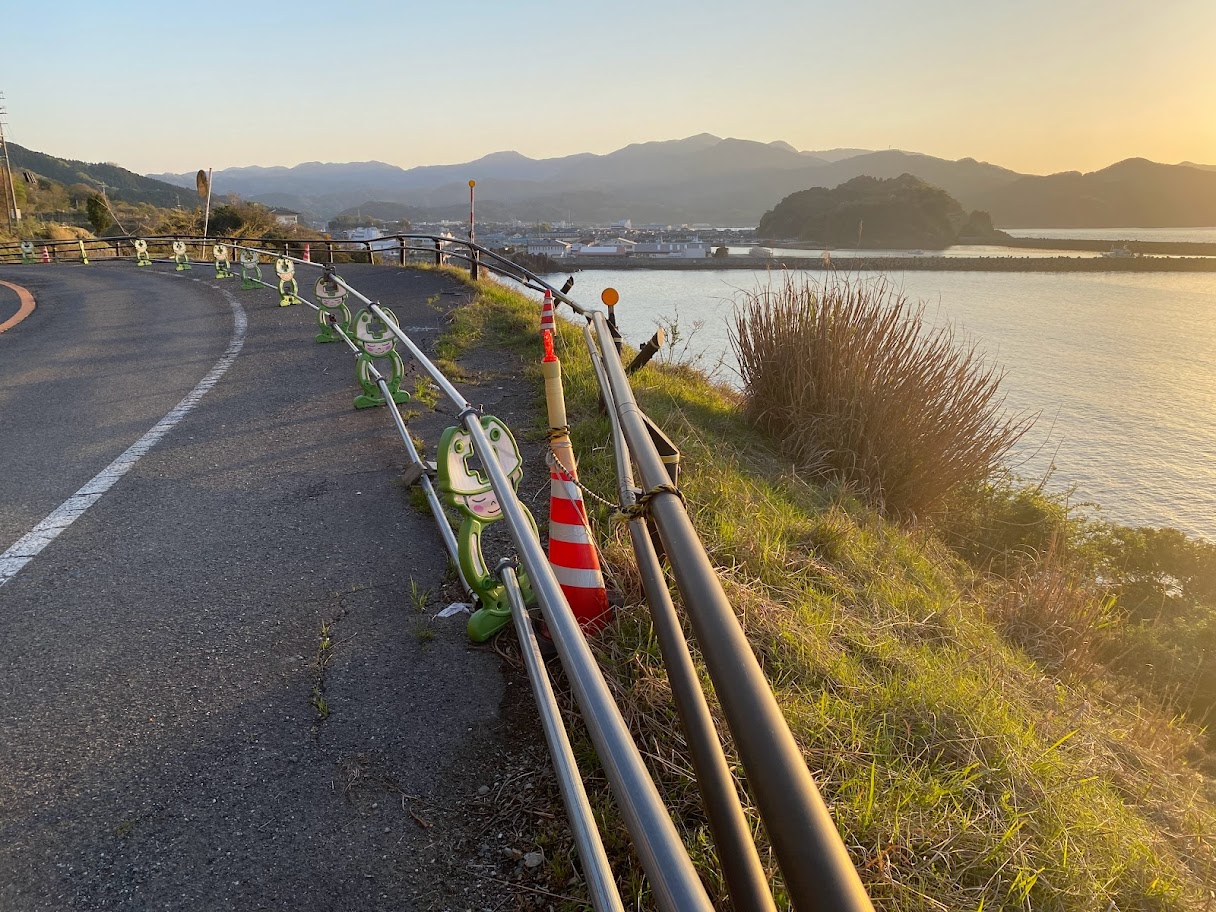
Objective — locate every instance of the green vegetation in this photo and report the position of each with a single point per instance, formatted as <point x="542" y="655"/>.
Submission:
<point x="971" y="760"/>
<point x="901" y="211"/>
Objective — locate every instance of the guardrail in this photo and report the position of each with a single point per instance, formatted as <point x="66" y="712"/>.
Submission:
<point x="818" y="873"/>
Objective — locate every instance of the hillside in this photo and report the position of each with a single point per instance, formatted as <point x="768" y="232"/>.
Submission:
<point x="974" y="751"/>
<point x="120" y="184"/>
<point x="903" y="211"/>
<point x="1132" y="193"/>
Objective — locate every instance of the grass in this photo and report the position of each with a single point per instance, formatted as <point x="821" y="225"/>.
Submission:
<point x="857" y="387"/>
<point x="963" y="773"/>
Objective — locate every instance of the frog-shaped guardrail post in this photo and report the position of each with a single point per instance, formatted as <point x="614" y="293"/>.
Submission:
<point x="289" y="291"/>
<point x="141" y="253"/>
<point x="251" y="272"/>
<point x="84" y="254"/>
<point x="223" y="265"/>
<point x="179" y="255"/>
<point x="466" y="486"/>
<point x="27" y="252"/>
<point x="376" y="341"/>
<point x="333" y="313"/>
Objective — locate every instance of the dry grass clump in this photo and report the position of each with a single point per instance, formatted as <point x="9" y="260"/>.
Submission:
<point x="856" y="386"/>
<point x="1054" y="612"/>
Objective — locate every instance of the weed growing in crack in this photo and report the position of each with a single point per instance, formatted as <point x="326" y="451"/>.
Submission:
<point x="325" y="653"/>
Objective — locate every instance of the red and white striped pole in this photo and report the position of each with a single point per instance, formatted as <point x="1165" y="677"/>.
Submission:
<point x="548" y="326"/>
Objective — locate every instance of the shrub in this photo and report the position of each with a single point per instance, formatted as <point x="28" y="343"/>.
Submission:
<point x="1004" y="523"/>
<point x="855" y="385"/>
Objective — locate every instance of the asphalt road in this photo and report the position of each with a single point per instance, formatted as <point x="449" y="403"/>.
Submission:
<point x="160" y="746"/>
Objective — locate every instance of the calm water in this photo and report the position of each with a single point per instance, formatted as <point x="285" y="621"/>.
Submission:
<point x="1120" y="367"/>
<point x="958" y="250"/>
<point x="1173" y="235"/>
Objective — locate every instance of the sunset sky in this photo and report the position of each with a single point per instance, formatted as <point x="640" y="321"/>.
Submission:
<point x="1035" y="86"/>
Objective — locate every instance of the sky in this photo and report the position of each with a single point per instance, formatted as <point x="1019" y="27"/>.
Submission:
<point x="1037" y="86"/>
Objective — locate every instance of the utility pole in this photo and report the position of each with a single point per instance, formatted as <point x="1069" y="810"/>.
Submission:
<point x="10" y="192"/>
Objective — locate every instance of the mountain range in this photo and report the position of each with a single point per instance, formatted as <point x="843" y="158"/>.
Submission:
<point x="701" y="179"/>
<point x="706" y="179"/>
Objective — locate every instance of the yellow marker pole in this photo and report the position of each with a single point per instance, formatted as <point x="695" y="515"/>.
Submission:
<point x="555" y="403"/>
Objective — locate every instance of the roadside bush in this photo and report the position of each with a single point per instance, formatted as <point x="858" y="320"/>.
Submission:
<point x="1003" y="523"/>
<point x="856" y="386"/>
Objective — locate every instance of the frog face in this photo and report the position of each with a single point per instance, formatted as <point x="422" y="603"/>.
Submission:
<point x="220" y="252"/>
<point x="329" y="293"/>
<point x="372" y="334"/>
<point x="484" y="506"/>
<point x="249" y="257"/>
<point x="179" y="247"/>
<point x="466" y="485"/>
<point x="284" y="268"/>
<point x="141" y="245"/>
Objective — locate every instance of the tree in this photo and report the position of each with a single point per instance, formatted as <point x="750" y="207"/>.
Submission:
<point x="99" y="214"/>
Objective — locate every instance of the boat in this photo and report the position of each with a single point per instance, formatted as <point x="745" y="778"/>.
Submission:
<point x="1119" y="253"/>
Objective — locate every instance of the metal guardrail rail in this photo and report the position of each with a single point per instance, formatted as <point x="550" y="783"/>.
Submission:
<point x="818" y="873"/>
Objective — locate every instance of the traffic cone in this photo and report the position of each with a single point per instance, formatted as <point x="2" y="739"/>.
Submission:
<point x="572" y="554"/>
<point x="307" y="254"/>
<point x="546" y="315"/>
<point x="46" y="254"/>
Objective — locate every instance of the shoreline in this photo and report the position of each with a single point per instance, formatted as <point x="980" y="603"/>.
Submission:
<point x="905" y="264"/>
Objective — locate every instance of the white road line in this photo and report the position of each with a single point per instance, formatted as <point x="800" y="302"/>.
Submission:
<point x="28" y="546"/>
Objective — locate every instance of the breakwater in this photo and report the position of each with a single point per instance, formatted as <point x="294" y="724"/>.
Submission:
<point x="906" y="264"/>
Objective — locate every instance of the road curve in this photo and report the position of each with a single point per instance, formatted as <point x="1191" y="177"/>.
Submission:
<point x="160" y="680"/>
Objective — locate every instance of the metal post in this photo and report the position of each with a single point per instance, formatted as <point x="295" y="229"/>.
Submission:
<point x="600" y="885"/>
<point x="745" y="878"/>
<point x="474" y="265"/>
<point x="438" y="252"/>
<point x="207" y="212"/>
<point x="818" y="871"/>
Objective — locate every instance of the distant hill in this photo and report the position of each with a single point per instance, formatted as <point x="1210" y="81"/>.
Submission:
<point x="902" y="211"/>
<point x="121" y="184"/>
<point x="1132" y="193"/>
<point x="834" y="155"/>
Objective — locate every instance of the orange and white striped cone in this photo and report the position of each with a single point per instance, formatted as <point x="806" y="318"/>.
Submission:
<point x="572" y="553"/>
<point x="546" y="315"/>
<point x="307" y="254"/>
<point x="46" y="254"/>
